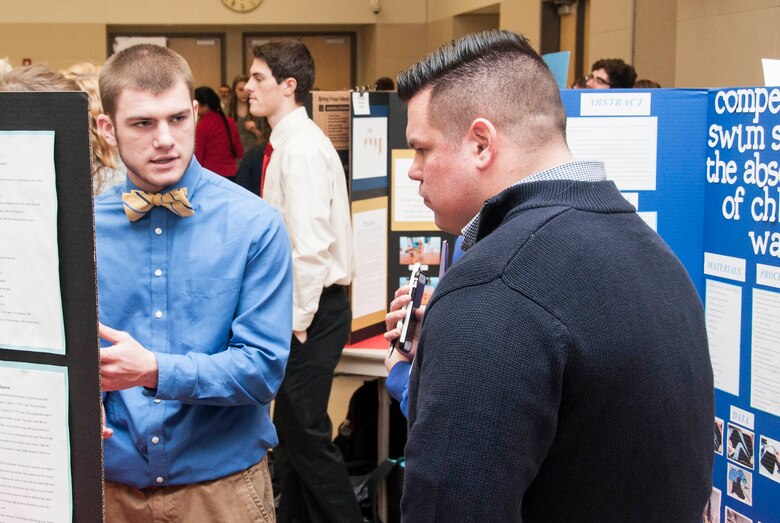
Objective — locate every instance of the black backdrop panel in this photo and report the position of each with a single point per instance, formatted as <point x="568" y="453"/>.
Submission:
<point x="66" y="113"/>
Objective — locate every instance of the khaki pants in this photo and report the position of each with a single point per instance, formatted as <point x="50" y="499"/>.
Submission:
<point x="241" y="497"/>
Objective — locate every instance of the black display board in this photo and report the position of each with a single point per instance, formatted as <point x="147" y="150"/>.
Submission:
<point x="387" y="105"/>
<point x="399" y="272"/>
<point x="66" y="113"/>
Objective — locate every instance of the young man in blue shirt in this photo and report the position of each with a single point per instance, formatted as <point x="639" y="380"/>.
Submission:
<point x="195" y="297"/>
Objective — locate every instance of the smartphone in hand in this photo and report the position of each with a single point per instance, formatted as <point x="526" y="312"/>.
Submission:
<point x="417" y="282"/>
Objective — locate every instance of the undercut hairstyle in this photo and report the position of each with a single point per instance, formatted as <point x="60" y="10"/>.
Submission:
<point x="289" y="60"/>
<point x="36" y="77"/>
<point x="495" y="75"/>
<point x="142" y="67"/>
<point x="621" y="74"/>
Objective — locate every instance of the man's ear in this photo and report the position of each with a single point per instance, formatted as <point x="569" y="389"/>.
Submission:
<point x="290" y="84"/>
<point x="106" y="128"/>
<point x="483" y="139"/>
<point x="195" y="108"/>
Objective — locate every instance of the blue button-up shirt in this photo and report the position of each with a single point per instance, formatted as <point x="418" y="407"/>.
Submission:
<point x="211" y="296"/>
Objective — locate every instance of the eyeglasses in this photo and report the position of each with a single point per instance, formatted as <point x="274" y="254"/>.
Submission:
<point x="599" y="80"/>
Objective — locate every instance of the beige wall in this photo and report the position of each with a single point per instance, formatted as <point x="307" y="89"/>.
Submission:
<point x="682" y="43"/>
<point x="655" y="40"/>
<point x="55" y="45"/>
<point x="611" y="28"/>
<point x="720" y="43"/>
<point x="393" y="50"/>
<point x="525" y="17"/>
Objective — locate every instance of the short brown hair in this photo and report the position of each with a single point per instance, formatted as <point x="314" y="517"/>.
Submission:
<point x="143" y="67"/>
<point x="495" y="75"/>
<point x="289" y="60"/>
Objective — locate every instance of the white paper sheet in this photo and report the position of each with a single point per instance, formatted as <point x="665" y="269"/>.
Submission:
<point x="369" y="148"/>
<point x="724" y="321"/>
<point x="771" y="72"/>
<point x="35" y="479"/>
<point x="369" y="288"/>
<point x="30" y="301"/>
<point x="408" y="206"/>
<point x="360" y="106"/>
<point x="626" y="145"/>
<point x="765" y="351"/>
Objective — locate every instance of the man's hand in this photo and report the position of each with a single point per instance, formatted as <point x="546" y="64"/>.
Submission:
<point x="107" y="432"/>
<point x="126" y="363"/>
<point x="396" y="314"/>
<point x="301" y="336"/>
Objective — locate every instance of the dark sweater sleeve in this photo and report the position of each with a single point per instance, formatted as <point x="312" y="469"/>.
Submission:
<point x="248" y="173"/>
<point x="484" y="394"/>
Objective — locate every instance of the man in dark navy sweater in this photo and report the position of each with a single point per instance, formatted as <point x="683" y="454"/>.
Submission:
<point x="562" y="372"/>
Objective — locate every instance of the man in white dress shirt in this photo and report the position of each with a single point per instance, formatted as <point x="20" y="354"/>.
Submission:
<point x="302" y="176"/>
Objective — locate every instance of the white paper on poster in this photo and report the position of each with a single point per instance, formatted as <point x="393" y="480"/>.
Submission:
<point x="615" y="103"/>
<point x="724" y="320"/>
<point x="30" y="301"/>
<point x="369" y="288"/>
<point x="743" y="417"/>
<point x="360" y="106"/>
<point x="771" y="72"/>
<point x="765" y="352"/>
<point x="722" y="266"/>
<point x="626" y="145"/>
<point x="632" y="198"/>
<point x="369" y="148"/>
<point x="768" y="275"/>
<point x="35" y="479"/>
<point x="650" y="218"/>
<point x="408" y="205"/>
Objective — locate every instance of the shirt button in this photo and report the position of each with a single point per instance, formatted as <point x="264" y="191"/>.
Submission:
<point x="155" y="440"/>
<point x="158" y="314"/>
<point x="160" y="479"/>
<point x="158" y="231"/>
<point x="157" y="400"/>
<point x="158" y="272"/>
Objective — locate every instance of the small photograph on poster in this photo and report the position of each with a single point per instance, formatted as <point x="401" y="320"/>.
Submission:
<point x="739" y="484"/>
<point x="431" y="285"/>
<point x="425" y="250"/>
<point x="732" y="516"/>
<point x="769" y="458"/>
<point x="739" y="445"/>
<point x="719" y="436"/>
<point x="712" y="508"/>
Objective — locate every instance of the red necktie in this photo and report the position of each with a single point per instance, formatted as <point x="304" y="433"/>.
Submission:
<point x="266" y="158"/>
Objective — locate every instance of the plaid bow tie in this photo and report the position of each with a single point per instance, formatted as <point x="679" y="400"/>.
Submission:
<point x="138" y="203"/>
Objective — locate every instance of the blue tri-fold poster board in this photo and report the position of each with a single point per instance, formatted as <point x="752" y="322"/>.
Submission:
<point x="702" y="167"/>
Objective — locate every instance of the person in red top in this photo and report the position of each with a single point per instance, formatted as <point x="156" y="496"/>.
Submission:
<point x="217" y="143"/>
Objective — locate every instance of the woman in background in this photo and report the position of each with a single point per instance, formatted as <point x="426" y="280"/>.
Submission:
<point x="107" y="169"/>
<point x="217" y="143"/>
<point x="254" y="131"/>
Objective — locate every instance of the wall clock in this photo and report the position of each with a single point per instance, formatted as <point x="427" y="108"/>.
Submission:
<point x="241" y="6"/>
